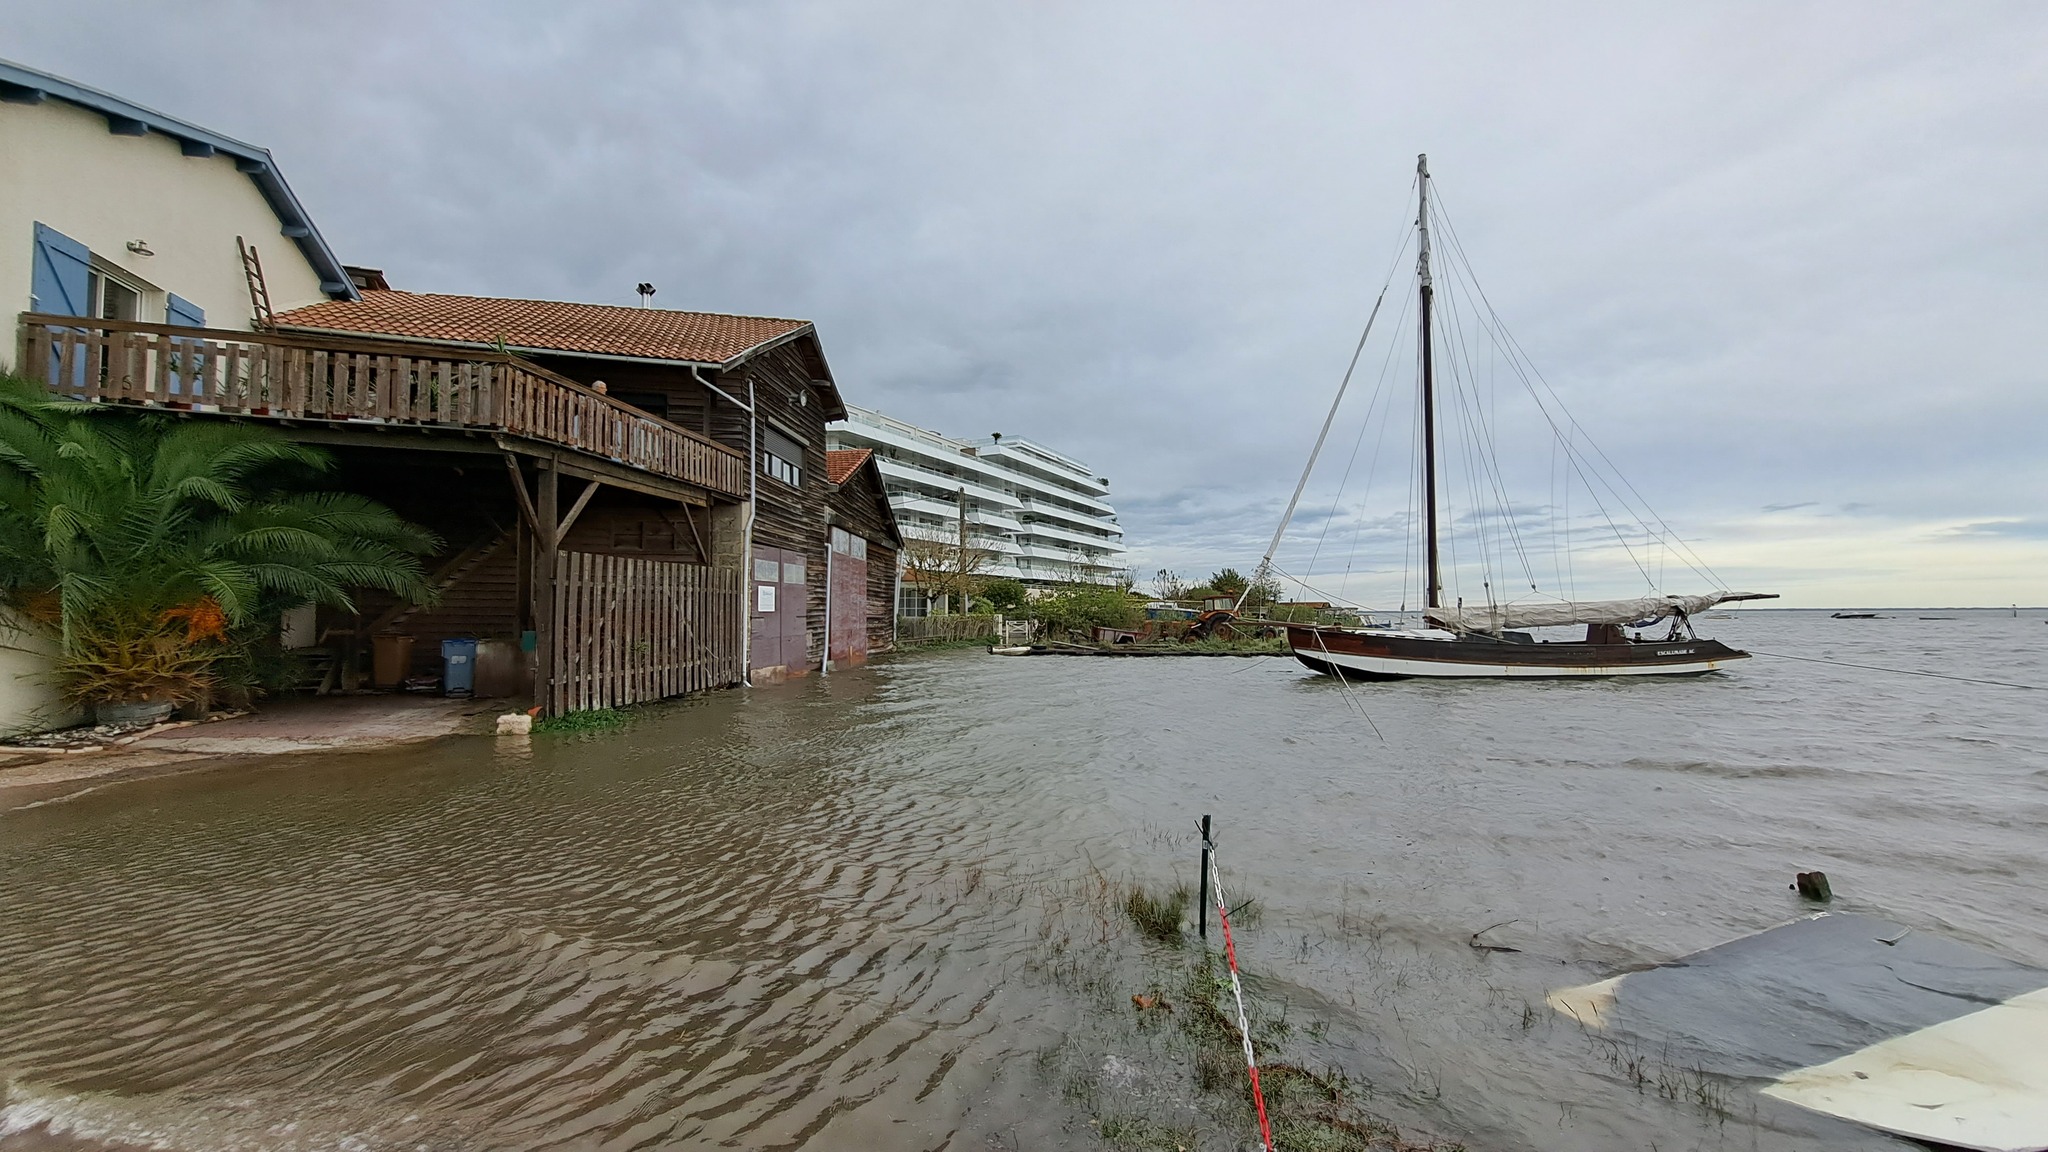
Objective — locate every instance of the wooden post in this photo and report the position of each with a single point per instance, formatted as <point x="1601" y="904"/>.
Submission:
<point x="545" y="552"/>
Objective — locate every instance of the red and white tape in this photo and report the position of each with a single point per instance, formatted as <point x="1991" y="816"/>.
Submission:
<point x="1244" y="1027"/>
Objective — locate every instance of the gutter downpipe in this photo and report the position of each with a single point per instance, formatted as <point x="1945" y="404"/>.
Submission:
<point x="825" y="641"/>
<point x="747" y="550"/>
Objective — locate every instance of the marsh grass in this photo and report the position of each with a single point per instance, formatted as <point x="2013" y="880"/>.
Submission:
<point x="1161" y="1064"/>
<point x="1158" y="917"/>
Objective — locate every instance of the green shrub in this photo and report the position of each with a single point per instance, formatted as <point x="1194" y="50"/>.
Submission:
<point x="1004" y="595"/>
<point x="1084" y="608"/>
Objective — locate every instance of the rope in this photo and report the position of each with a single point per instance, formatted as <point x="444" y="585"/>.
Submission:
<point x="1244" y="1027"/>
<point x="1337" y="670"/>
<point x="1902" y="671"/>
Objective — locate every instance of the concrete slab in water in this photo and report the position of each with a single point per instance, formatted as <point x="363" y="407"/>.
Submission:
<point x="1858" y="1018"/>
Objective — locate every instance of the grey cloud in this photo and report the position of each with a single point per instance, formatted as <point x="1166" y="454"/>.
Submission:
<point x="1146" y="234"/>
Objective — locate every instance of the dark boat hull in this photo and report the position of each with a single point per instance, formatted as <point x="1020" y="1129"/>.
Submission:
<point x="1367" y="655"/>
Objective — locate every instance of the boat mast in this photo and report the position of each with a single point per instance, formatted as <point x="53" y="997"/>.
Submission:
<point x="1434" y="594"/>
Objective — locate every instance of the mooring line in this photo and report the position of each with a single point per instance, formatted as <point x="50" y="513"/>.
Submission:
<point x="1902" y="671"/>
<point x="1343" y="689"/>
<point x="1244" y="1026"/>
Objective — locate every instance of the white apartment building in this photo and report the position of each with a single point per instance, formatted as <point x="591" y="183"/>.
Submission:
<point x="1045" y="517"/>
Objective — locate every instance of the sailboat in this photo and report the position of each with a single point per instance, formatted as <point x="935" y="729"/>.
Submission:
<point x="1454" y="641"/>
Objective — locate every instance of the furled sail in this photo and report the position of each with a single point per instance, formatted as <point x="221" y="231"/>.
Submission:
<point x="1502" y="616"/>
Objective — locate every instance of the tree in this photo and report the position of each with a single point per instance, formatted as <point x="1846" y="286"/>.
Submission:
<point x="1262" y="591"/>
<point x="151" y="542"/>
<point x="1228" y="582"/>
<point x="944" y="565"/>
<point x="1169" y="585"/>
<point x="1005" y="595"/>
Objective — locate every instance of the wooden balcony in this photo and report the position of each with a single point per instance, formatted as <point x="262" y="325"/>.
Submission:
<point x="268" y="375"/>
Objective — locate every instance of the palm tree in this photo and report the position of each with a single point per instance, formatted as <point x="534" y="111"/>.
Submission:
<point x="148" y="540"/>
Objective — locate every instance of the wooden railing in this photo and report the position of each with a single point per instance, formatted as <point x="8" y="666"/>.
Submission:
<point x="316" y="378"/>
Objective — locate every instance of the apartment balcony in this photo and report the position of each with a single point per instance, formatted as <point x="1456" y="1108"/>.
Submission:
<point x="913" y="446"/>
<point x="361" y="382"/>
<point x="941" y="484"/>
<point x="1064" y="472"/>
<point x="1043" y="510"/>
<point x="1067" y="536"/>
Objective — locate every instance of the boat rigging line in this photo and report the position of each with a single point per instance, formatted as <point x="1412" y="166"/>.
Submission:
<point x="1265" y="563"/>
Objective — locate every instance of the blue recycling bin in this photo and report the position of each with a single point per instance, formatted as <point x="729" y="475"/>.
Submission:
<point x="458" y="667"/>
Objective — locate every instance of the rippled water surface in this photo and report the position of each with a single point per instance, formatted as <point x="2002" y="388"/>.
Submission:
<point x="817" y="915"/>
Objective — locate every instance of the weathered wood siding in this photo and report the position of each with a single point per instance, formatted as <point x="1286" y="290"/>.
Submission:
<point x="786" y="517"/>
<point x="861" y="507"/>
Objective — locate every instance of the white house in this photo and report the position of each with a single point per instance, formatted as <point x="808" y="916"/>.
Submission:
<point x="111" y="210"/>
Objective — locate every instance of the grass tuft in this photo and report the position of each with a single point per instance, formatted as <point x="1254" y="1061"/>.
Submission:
<point x="1157" y="917"/>
<point x="589" y="720"/>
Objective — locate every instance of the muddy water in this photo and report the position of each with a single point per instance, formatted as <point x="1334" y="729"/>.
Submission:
<point x="817" y="916"/>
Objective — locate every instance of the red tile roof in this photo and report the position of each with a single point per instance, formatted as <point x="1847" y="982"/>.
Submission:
<point x="842" y="463"/>
<point x="551" y="325"/>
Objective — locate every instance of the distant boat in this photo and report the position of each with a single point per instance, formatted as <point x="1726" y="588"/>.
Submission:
<point x="1858" y="616"/>
<point x="1460" y="642"/>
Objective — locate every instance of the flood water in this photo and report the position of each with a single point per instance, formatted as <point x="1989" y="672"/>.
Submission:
<point x="817" y="915"/>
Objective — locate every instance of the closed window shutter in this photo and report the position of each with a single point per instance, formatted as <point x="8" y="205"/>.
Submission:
<point x="185" y="313"/>
<point x="782" y="446"/>
<point x="63" y="270"/>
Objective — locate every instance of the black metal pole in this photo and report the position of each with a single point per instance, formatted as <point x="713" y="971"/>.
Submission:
<point x="1202" y="920"/>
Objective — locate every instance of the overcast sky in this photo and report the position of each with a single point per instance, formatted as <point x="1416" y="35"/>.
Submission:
<point x="1785" y="263"/>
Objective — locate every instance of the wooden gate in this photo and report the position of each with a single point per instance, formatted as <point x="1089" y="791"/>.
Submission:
<point x="629" y="630"/>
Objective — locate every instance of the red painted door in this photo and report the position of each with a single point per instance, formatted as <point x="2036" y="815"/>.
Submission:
<point x="796" y="618"/>
<point x="848" y="626"/>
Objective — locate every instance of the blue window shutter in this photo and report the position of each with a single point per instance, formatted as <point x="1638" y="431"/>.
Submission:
<point x="63" y="268"/>
<point x="185" y="313"/>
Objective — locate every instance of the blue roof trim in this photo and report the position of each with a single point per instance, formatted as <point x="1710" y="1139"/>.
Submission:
<point x="21" y="85"/>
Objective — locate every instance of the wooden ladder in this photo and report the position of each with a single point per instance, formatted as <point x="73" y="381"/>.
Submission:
<point x="262" y="317"/>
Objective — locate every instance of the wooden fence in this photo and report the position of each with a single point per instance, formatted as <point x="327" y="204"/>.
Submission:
<point x="913" y="630"/>
<point x="629" y="630"/>
<point x="314" y="378"/>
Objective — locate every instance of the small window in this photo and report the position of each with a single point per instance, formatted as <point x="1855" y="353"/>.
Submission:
<point x="767" y="571"/>
<point x="860" y="548"/>
<point x="781" y="457"/>
<point x="793" y="572"/>
<point x="780" y="469"/>
<point x="842" y="541"/>
<point x="111" y="299"/>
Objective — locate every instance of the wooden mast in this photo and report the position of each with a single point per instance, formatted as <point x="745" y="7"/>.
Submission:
<point x="1434" y="595"/>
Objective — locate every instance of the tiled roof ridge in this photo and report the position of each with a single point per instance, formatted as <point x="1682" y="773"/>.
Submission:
<point x="550" y="325"/>
<point x="371" y="295"/>
<point x="842" y="463"/>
